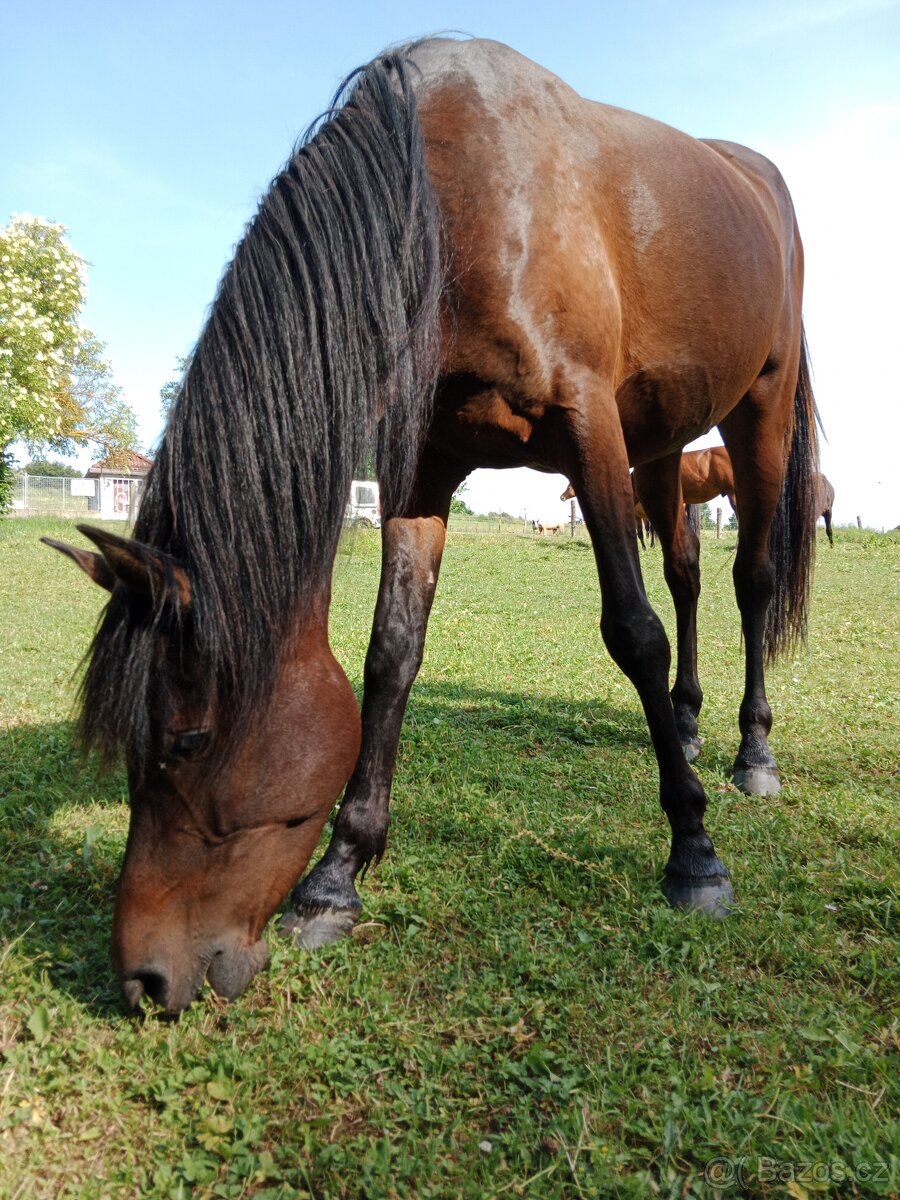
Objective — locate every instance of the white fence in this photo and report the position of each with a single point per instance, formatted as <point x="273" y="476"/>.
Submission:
<point x="52" y="496"/>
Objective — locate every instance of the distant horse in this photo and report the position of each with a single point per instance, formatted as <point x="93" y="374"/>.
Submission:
<point x="474" y="267"/>
<point x="706" y="474"/>
<point x="542" y="527"/>
<point x="825" y="503"/>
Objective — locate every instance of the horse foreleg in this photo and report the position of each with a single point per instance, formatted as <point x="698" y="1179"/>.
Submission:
<point x="325" y="904"/>
<point x="827" y="516"/>
<point x="636" y="640"/>
<point x="660" y="488"/>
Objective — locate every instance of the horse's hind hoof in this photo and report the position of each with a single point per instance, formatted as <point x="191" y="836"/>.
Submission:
<point x="712" y="895"/>
<point x="757" y="781"/>
<point x="318" y="928"/>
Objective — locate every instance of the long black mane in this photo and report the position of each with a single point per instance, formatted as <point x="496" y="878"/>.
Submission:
<point x="323" y="338"/>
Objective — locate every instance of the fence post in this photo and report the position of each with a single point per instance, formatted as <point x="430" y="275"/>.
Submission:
<point x="859" y="522"/>
<point x="572" y="515"/>
<point x="718" y="523"/>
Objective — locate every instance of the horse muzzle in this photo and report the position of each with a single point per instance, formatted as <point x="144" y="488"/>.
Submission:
<point x="228" y="969"/>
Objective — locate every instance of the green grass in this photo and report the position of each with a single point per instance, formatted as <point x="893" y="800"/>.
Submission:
<point x="518" y="1013"/>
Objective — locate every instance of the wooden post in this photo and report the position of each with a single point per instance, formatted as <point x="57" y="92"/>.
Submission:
<point x="572" y="515"/>
<point x="859" y="522"/>
<point x="718" y="523"/>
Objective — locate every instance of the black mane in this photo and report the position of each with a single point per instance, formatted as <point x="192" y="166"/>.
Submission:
<point x="322" y="339"/>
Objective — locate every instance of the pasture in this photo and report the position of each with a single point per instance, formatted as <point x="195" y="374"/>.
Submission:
<point x="518" y="1012"/>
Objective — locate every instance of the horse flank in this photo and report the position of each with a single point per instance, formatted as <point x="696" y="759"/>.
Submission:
<point x="343" y="261"/>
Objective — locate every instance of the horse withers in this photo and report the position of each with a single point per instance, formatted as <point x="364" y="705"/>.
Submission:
<point x="617" y="289"/>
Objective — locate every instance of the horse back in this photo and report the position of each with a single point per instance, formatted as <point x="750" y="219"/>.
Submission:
<point x="582" y="238"/>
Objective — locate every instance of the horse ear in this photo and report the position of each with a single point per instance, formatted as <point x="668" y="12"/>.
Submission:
<point x="94" y="565"/>
<point x="142" y="569"/>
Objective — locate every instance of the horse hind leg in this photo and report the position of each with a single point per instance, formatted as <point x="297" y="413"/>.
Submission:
<point x="827" y="516"/>
<point x="325" y="904"/>
<point x="694" y="876"/>
<point x="776" y="501"/>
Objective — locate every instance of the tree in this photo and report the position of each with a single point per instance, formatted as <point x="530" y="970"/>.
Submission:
<point x="457" y="504"/>
<point x="51" y="467"/>
<point x="169" y="392"/>
<point x="56" y="387"/>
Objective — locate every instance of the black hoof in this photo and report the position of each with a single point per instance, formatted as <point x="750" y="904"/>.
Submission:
<point x="756" y="781"/>
<point x="712" y="895"/>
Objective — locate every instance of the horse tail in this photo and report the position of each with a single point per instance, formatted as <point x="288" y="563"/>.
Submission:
<point x="692" y="516"/>
<point x="792" y="537"/>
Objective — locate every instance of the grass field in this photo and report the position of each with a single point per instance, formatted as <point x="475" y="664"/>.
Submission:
<point x="518" y="1014"/>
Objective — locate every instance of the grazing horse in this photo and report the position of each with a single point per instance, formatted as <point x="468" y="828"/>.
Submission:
<point x="825" y="503"/>
<point x="471" y="265"/>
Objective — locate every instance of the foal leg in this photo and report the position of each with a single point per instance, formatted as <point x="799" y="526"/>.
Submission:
<point x="636" y="640"/>
<point x="325" y="904"/>
<point x="660" y="486"/>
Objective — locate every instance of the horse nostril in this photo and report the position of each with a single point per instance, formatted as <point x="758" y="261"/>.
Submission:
<point x="146" y="983"/>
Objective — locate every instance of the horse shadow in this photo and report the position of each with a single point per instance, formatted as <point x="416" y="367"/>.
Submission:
<point x="63" y="824"/>
<point x="61" y="856"/>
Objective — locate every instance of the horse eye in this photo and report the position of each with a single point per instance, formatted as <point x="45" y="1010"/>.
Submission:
<point x="190" y="743"/>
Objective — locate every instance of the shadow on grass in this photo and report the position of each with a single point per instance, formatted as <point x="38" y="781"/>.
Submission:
<point x="63" y="825"/>
<point x="59" y="865"/>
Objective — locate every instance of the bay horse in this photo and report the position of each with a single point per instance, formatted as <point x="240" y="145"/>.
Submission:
<point x="469" y="265"/>
<point x="825" y="503"/>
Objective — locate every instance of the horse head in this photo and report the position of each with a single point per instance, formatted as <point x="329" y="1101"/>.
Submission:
<point x="224" y="815"/>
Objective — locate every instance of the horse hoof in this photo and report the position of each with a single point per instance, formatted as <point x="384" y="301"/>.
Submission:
<point x="713" y="895"/>
<point x="692" y="747"/>
<point x="757" y="781"/>
<point x="320" y="928"/>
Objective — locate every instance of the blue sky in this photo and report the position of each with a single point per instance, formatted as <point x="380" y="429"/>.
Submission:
<point x="152" y="131"/>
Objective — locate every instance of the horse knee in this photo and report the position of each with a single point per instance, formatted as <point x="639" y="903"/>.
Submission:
<point x="637" y="643"/>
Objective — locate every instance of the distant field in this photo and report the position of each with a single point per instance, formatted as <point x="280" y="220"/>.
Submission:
<point x="519" y="1013"/>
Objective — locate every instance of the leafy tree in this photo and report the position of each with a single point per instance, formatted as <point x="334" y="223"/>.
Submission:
<point x="457" y="504"/>
<point x="49" y="466"/>
<point x="168" y="393"/>
<point x="56" y="387"/>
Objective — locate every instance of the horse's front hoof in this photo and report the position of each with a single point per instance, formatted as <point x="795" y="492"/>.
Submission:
<point x="318" y="928"/>
<point x="692" y="747"/>
<point x="756" y="781"/>
<point x="712" y="895"/>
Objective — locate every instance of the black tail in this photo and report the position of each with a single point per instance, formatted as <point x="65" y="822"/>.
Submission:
<point x="692" y="516"/>
<point x="792" y="539"/>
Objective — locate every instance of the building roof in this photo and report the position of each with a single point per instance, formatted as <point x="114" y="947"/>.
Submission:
<point x="132" y="464"/>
